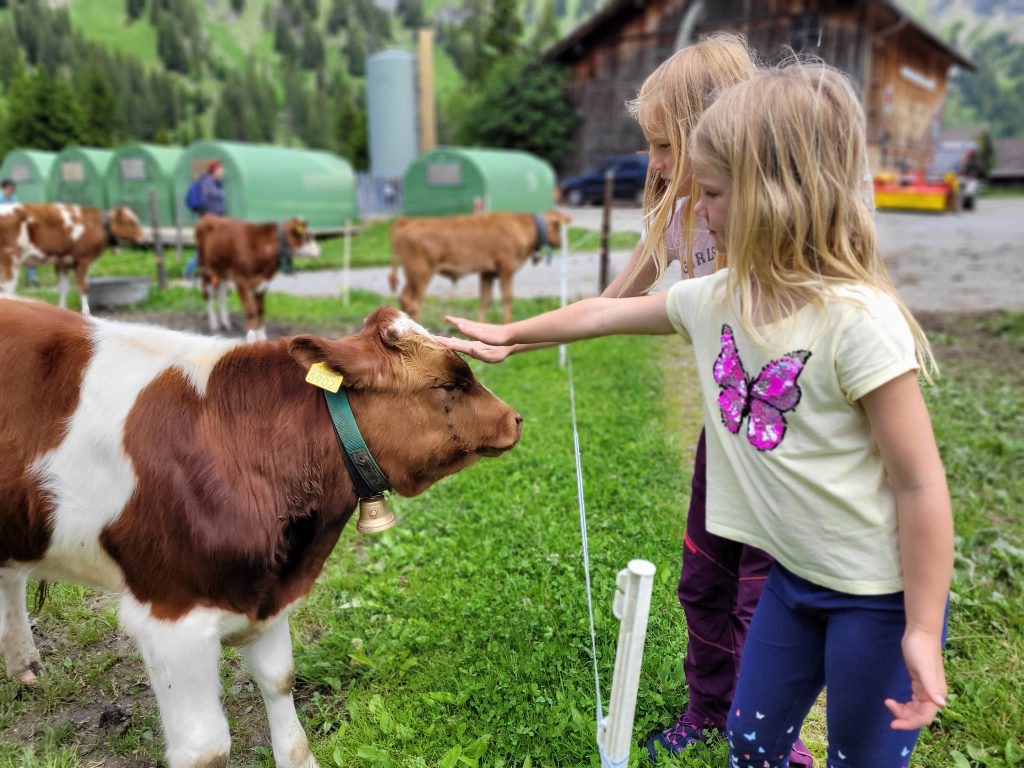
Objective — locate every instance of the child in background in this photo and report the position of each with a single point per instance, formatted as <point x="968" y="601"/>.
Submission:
<point x="820" y="447"/>
<point x="721" y="580"/>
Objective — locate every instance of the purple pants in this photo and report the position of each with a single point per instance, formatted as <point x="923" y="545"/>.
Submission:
<point x="719" y="586"/>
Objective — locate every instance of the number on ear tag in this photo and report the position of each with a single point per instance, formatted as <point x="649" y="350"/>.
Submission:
<point x="319" y="375"/>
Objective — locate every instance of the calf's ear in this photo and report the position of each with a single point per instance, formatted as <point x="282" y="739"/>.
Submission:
<point x="350" y="357"/>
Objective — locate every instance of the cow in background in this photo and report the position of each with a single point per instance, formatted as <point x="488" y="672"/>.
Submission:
<point x="249" y="255"/>
<point x="493" y="244"/>
<point x="201" y="479"/>
<point x="71" y="237"/>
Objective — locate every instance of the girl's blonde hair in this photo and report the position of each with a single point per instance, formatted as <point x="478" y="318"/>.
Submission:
<point x="791" y="143"/>
<point x="669" y="104"/>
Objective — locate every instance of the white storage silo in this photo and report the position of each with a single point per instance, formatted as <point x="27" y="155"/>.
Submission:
<point x="391" y="111"/>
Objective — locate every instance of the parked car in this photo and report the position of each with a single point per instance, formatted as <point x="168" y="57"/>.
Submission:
<point x="630" y="174"/>
<point x="956" y="164"/>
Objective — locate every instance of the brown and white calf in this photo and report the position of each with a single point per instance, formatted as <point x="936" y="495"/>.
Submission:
<point x="493" y="244"/>
<point x="249" y="255"/>
<point x="71" y="237"/>
<point x="201" y="479"/>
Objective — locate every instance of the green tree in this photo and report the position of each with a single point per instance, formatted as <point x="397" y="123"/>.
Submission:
<point x="338" y="16"/>
<point x="134" y="9"/>
<point x="42" y="112"/>
<point x="99" y="109"/>
<point x="522" y="106"/>
<point x="547" y="32"/>
<point x="504" y="29"/>
<point x="170" y="46"/>
<point x="238" y="6"/>
<point x="12" y="63"/>
<point x="284" y="41"/>
<point x="312" y="56"/>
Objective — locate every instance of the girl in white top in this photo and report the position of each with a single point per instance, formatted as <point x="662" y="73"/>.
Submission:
<point x="721" y="580"/>
<point x="820" y="447"/>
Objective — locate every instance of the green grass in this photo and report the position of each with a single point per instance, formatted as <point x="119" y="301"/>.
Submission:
<point x="105" y="22"/>
<point x="460" y="638"/>
<point x="371" y="247"/>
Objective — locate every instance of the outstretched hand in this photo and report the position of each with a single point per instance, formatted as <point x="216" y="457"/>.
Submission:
<point x="488" y="333"/>
<point x="922" y="653"/>
<point x="485" y="352"/>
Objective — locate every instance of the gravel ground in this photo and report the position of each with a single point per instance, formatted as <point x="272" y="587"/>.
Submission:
<point x="968" y="261"/>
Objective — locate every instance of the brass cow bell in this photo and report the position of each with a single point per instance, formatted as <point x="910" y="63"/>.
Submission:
<point x="374" y="515"/>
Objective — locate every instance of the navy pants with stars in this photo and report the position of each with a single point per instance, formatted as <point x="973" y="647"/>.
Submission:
<point x="802" y="638"/>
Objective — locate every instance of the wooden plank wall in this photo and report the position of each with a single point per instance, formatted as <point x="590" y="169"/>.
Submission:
<point x="900" y="74"/>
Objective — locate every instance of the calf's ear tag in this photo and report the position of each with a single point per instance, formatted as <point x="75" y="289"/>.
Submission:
<point x="319" y="375"/>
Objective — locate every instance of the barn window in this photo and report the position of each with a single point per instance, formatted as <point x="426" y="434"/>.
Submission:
<point x="72" y="171"/>
<point x="21" y="173"/>
<point x="133" y="169"/>
<point x="444" y="174"/>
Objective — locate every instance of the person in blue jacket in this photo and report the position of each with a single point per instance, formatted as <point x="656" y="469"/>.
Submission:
<point x="209" y="198"/>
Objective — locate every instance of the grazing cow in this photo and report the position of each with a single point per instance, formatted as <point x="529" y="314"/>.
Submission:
<point x="249" y="255"/>
<point x="71" y="237"/>
<point x="493" y="244"/>
<point x="201" y="479"/>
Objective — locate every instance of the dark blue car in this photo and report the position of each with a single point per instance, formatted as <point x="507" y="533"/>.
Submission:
<point x="629" y="171"/>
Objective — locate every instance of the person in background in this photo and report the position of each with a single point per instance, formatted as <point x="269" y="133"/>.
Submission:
<point x="8" y="196"/>
<point x="208" y="198"/>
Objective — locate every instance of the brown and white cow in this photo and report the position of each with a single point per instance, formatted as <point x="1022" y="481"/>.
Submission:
<point x="71" y="237"/>
<point x="493" y="244"/>
<point x="201" y="479"/>
<point x="249" y="255"/>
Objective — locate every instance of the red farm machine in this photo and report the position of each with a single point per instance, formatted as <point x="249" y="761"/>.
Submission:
<point x="950" y="183"/>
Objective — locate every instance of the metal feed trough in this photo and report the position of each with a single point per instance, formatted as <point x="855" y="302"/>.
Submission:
<point x="118" y="291"/>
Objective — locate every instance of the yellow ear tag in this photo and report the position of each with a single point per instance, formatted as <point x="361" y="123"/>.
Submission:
<point x="319" y="375"/>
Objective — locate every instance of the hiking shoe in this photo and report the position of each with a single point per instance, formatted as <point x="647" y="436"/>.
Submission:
<point x="678" y="736"/>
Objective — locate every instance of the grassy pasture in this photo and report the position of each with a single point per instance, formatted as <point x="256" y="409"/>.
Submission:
<point x="459" y="638"/>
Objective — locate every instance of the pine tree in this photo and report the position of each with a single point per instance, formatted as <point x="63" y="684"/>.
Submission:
<point x="99" y="109"/>
<point x="11" y="61"/>
<point x="312" y="56"/>
<point x="170" y="46"/>
<point x="42" y="112"/>
<point x="238" y="6"/>
<point x="547" y="32"/>
<point x="134" y="9"/>
<point x="505" y="28"/>
<point x="337" y="18"/>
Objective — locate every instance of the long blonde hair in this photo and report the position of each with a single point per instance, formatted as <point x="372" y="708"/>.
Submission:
<point x="669" y="103"/>
<point x="791" y="143"/>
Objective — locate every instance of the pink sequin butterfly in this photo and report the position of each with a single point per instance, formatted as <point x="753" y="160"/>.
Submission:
<point x="764" y="399"/>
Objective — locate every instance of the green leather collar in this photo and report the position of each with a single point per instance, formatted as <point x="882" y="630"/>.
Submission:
<point x="368" y="477"/>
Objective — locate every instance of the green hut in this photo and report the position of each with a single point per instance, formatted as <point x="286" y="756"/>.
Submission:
<point x="263" y="182"/>
<point x="451" y="180"/>
<point x="138" y="168"/>
<point x="79" y="175"/>
<point x="29" y="169"/>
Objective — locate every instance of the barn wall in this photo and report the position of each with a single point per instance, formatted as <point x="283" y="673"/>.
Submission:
<point x="900" y="72"/>
<point x="611" y="72"/>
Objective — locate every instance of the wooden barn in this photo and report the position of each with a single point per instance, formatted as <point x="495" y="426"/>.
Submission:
<point x="900" y="68"/>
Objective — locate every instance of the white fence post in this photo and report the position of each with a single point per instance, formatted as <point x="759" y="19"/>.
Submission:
<point x="632" y="605"/>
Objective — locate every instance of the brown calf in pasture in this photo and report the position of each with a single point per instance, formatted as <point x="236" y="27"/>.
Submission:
<point x="493" y="244"/>
<point x="249" y="255"/>
<point x="71" y="237"/>
<point x="201" y="480"/>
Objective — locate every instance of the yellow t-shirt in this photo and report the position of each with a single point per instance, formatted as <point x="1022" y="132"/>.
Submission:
<point x="792" y="466"/>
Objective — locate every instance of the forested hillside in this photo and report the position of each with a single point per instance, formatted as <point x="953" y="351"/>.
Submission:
<point x="991" y="32"/>
<point x="102" y="72"/>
